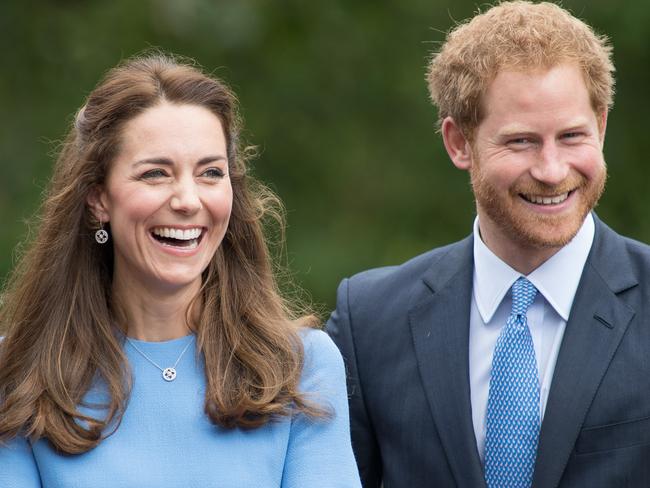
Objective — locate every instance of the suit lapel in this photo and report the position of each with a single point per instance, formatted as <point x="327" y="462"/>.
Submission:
<point x="439" y="320"/>
<point x="596" y="325"/>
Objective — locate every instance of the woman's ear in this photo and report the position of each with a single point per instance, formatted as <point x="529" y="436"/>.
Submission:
<point x="97" y="202"/>
<point x="457" y="146"/>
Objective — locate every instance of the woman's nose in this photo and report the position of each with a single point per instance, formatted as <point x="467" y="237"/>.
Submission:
<point x="186" y="198"/>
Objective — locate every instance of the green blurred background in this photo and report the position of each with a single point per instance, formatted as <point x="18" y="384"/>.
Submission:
<point x="332" y="92"/>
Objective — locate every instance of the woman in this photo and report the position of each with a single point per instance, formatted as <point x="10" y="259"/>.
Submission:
<point x="146" y="343"/>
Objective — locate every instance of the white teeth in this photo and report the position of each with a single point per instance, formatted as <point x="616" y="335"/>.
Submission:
<point x="560" y="198"/>
<point x="180" y="234"/>
<point x="547" y="200"/>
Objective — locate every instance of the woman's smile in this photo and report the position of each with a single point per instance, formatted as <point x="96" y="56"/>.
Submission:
<point x="176" y="237"/>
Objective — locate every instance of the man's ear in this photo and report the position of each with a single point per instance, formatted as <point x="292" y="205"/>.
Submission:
<point x="602" y="127"/>
<point x="456" y="144"/>
<point x="97" y="203"/>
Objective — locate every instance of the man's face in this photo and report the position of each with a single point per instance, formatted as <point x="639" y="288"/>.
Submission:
<point x="537" y="166"/>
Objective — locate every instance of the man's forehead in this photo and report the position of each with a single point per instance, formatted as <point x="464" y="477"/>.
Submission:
<point x="534" y="86"/>
<point x="519" y="101"/>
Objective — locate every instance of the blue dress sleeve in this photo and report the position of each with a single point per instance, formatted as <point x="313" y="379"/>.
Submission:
<point x="319" y="454"/>
<point x="17" y="465"/>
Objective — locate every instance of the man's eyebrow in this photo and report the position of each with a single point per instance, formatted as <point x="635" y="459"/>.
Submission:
<point x="168" y="162"/>
<point x="515" y="132"/>
<point x="520" y="130"/>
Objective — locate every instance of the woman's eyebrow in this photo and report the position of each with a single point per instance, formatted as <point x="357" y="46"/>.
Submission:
<point x="168" y="162"/>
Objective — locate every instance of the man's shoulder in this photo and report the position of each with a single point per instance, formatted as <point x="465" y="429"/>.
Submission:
<point x="636" y="247"/>
<point x="608" y="240"/>
<point x="389" y="281"/>
<point x="622" y="262"/>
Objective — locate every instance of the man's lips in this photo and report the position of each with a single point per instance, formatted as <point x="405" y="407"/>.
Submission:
<point x="546" y="199"/>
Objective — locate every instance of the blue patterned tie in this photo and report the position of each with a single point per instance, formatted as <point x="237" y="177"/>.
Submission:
<point x="513" y="403"/>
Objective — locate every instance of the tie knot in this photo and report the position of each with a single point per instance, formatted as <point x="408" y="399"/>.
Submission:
<point x="523" y="294"/>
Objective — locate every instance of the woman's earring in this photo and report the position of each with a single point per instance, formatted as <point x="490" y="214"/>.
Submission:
<point x="101" y="236"/>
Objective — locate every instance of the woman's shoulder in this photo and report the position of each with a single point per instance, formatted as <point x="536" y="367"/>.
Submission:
<point x="320" y="353"/>
<point x="317" y="344"/>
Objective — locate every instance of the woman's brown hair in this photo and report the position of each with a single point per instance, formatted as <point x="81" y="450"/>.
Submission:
<point x="57" y="311"/>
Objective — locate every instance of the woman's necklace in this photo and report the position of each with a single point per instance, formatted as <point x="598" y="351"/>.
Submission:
<point x="168" y="374"/>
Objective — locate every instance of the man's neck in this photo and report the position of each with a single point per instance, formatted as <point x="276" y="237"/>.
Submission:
<point x="522" y="257"/>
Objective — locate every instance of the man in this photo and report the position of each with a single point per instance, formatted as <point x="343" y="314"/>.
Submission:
<point x="519" y="356"/>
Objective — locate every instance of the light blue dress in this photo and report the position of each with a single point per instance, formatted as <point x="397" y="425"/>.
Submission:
<point x="165" y="439"/>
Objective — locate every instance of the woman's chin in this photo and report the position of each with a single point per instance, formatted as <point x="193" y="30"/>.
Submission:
<point x="178" y="281"/>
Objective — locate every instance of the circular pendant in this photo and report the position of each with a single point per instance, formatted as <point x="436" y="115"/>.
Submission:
<point x="169" y="374"/>
<point x="101" y="236"/>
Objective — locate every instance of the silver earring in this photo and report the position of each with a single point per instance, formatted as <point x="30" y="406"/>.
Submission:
<point x="101" y="236"/>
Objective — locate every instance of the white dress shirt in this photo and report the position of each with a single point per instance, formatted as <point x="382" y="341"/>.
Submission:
<point x="556" y="281"/>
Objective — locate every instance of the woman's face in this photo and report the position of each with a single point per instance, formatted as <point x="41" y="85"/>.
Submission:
<point x="167" y="197"/>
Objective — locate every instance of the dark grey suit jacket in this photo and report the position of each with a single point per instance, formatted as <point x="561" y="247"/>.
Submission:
<point x="404" y="331"/>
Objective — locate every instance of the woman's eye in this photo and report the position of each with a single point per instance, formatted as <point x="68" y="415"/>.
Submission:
<point x="154" y="173"/>
<point x="213" y="173"/>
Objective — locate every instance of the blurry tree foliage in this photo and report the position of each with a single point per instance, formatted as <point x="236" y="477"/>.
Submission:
<point x="333" y="95"/>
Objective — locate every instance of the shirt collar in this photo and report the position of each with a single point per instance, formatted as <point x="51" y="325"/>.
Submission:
<point x="556" y="279"/>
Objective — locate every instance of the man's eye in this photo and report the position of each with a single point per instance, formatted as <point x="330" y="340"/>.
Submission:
<point x="213" y="173"/>
<point x="153" y="173"/>
<point x="520" y="141"/>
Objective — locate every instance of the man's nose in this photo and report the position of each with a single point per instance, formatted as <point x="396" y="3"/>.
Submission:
<point x="552" y="167"/>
